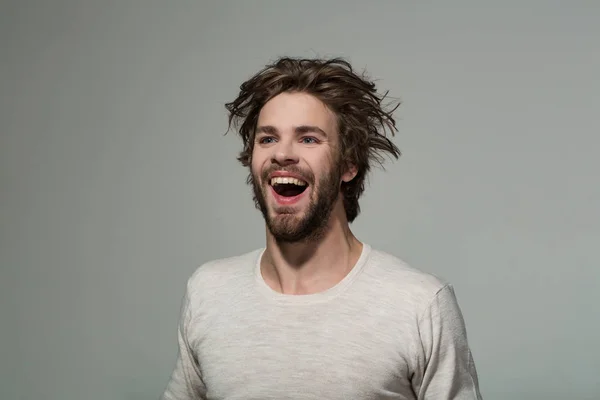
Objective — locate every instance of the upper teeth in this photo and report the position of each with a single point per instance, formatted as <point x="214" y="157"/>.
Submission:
<point x="280" y="180"/>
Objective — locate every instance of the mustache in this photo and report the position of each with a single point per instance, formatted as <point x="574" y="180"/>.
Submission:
<point x="305" y="175"/>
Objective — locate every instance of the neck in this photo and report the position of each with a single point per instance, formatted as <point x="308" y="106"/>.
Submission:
<point x="312" y="266"/>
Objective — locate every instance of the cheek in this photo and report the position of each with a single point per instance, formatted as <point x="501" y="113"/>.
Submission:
<point x="257" y="166"/>
<point x="253" y="165"/>
<point x="254" y="161"/>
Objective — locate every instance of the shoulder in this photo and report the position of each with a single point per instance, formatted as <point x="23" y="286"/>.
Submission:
<point x="222" y="273"/>
<point x="396" y="277"/>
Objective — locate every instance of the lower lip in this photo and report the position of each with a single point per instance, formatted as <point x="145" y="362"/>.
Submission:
<point x="287" y="201"/>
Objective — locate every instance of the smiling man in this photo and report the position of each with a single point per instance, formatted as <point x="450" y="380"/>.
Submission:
<point x="316" y="313"/>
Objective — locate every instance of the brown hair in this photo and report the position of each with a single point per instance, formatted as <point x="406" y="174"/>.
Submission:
<point x="362" y="118"/>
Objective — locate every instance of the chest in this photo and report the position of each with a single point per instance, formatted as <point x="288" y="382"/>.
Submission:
<point x="305" y="354"/>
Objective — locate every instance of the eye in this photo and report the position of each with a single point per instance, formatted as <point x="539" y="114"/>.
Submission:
<point x="309" y="140"/>
<point x="266" y="140"/>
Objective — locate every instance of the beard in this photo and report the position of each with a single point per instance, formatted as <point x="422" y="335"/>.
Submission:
<point x="289" y="227"/>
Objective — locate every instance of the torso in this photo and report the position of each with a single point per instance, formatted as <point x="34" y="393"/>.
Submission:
<point x="355" y="341"/>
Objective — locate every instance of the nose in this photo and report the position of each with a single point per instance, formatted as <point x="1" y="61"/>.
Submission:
<point x="284" y="154"/>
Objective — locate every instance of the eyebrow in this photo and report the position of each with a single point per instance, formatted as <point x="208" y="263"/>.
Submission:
<point x="301" y="129"/>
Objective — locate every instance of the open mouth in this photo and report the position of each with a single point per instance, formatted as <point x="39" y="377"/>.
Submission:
<point x="288" y="187"/>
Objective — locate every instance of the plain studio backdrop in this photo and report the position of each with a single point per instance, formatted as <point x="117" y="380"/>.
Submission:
<point x="117" y="181"/>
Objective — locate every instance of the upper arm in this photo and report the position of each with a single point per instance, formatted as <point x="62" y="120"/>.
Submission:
<point x="447" y="369"/>
<point x="185" y="382"/>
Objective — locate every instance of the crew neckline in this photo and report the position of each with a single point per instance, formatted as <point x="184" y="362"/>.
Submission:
<point x="325" y="295"/>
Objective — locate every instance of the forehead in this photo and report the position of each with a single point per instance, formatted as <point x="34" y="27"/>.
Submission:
<point x="287" y="110"/>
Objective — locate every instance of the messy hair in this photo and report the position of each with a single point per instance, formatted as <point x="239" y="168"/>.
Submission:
<point x="363" y="119"/>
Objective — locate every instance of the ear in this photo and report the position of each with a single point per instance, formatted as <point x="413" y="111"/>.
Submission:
<point x="350" y="173"/>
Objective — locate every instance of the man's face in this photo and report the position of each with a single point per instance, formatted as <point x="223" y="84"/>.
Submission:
<point x="296" y="171"/>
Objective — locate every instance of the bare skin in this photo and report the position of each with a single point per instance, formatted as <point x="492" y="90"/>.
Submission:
<point x="307" y="268"/>
<point x="297" y="132"/>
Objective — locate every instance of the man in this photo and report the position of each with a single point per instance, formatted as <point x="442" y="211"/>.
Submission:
<point x="316" y="314"/>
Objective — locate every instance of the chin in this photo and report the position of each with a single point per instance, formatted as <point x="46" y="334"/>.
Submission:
<point x="279" y="213"/>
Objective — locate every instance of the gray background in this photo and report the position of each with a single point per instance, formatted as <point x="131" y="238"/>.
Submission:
<point x="116" y="180"/>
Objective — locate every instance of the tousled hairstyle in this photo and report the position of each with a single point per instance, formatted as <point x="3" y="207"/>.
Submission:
<point x="363" y="119"/>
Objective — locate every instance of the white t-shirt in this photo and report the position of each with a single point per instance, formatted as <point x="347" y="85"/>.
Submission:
<point x="386" y="331"/>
